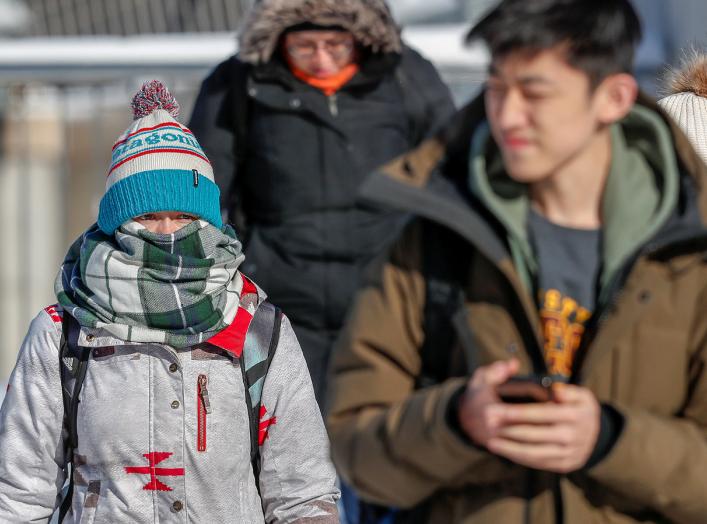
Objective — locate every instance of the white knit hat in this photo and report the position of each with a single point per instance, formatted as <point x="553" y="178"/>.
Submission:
<point x="687" y="104"/>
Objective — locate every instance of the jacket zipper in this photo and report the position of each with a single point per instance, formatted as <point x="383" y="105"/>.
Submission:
<point x="203" y="408"/>
<point x="333" y="105"/>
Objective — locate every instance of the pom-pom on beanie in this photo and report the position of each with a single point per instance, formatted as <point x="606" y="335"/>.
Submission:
<point x="157" y="165"/>
<point x="686" y="102"/>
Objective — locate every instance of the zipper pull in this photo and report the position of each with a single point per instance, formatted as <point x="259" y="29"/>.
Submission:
<point x="204" y="393"/>
<point x="333" y="107"/>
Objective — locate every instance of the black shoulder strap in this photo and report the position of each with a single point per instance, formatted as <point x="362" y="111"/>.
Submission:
<point x="259" y="349"/>
<point x="240" y="106"/>
<point x="73" y="361"/>
<point x="239" y="91"/>
<point x="414" y="103"/>
<point x="446" y="259"/>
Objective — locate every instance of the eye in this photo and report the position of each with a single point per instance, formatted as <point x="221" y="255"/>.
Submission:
<point x="147" y="216"/>
<point x="185" y="216"/>
<point x="536" y="94"/>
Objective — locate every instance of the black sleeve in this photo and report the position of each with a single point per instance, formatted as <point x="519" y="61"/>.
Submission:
<point x="611" y="424"/>
<point x="439" y="105"/>
<point x="213" y="124"/>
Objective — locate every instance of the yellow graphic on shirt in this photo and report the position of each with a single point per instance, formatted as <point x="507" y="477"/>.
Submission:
<point x="563" y="321"/>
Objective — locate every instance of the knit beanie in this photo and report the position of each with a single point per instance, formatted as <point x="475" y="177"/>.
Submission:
<point x="157" y="165"/>
<point x="687" y="103"/>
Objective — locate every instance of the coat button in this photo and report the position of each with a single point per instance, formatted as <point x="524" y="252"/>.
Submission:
<point x="253" y="92"/>
<point x="175" y="404"/>
<point x="295" y="103"/>
<point x="90" y="338"/>
<point x="177" y="505"/>
<point x="173" y="367"/>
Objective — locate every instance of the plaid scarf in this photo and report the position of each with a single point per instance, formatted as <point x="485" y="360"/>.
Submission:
<point x="178" y="289"/>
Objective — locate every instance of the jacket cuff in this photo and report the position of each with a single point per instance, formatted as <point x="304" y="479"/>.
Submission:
<point x="452" y="435"/>
<point x="611" y="424"/>
<point x="452" y="414"/>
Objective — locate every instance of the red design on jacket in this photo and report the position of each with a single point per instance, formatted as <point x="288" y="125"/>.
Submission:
<point x="155" y="458"/>
<point x="264" y="425"/>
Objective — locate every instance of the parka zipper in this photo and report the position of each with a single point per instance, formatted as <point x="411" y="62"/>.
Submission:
<point x="203" y="407"/>
<point x="333" y="105"/>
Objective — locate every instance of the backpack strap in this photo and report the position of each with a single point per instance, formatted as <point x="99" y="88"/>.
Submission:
<point x="414" y="104"/>
<point x="240" y="107"/>
<point x="446" y="259"/>
<point x="258" y="351"/>
<point x="73" y="362"/>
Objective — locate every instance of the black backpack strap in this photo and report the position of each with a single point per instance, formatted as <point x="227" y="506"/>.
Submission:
<point x="240" y="108"/>
<point x="73" y="361"/>
<point x="260" y="344"/>
<point x="240" y="102"/>
<point x="415" y="105"/>
<point x="446" y="259"/>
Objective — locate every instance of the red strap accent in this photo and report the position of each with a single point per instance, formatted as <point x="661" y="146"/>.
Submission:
<point x="232" y="338"/>
<point x="53" y="313"/>
<point x="264" y="426"/>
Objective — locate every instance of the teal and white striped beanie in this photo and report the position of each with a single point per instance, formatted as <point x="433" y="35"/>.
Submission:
<point x="157" y="165"/>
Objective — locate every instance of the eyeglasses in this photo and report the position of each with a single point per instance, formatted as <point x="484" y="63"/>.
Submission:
<point x="337" y="49"/>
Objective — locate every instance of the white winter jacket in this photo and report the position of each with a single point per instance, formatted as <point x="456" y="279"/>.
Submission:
<point x="146" y="453"/>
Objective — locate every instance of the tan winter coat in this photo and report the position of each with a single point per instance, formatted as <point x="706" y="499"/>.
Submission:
<point x="647" y="358"/>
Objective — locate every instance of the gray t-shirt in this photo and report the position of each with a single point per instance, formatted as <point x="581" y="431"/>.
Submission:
<point x="569" y="263"/>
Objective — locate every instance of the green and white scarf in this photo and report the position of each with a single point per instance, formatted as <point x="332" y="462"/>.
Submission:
<point x="178" y="289"/>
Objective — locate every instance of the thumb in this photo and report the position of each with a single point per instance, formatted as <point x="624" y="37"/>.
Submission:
<point x="567" y="393"/>
<point x="498" y="372"/>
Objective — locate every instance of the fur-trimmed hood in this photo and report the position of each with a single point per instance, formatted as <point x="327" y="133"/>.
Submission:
<point x="370" y="21"/>
<point x="690" y="77"/>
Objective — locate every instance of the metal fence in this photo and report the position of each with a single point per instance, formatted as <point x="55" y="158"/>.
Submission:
<point x="132" y="17"/>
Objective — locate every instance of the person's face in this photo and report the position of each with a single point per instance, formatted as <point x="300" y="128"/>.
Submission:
<point x="542" y="112"/>
<point x="320" y="53"/>
<point x="165" y="222"/>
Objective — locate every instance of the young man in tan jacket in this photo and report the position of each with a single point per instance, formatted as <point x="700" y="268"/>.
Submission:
<point x="572" y="213"/>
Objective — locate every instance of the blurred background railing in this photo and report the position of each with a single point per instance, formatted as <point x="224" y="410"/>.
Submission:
<point x="69" y="67"/>
<point x="131" y="17"/>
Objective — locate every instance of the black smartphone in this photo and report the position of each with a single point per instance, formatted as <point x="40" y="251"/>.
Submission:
<point x="526" y="389"/>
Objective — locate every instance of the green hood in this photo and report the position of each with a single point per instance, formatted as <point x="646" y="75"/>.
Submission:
<point x="640" y="194"/>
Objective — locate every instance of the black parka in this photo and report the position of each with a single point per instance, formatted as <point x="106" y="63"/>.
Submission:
<point x="303" y="159"/>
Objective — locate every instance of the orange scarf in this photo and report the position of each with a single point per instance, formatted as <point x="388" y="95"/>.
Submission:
<point x="329" y="85"/>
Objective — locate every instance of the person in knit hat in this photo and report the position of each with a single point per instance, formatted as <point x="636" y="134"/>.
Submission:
<point x="163" y="376"/>
<point x="686" y="101"/>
